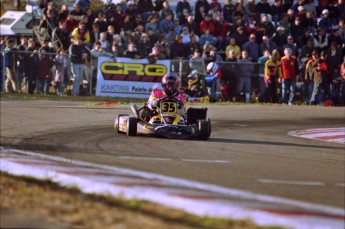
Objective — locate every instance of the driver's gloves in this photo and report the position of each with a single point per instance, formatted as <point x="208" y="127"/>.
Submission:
<point x="180" y="105"/>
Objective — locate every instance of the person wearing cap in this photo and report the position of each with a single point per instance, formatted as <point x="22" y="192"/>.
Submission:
<point x="11" y="84"/>
<point x="279" y="38"/>
<point x="272" y="74"/>
<point x="326" y="23"/>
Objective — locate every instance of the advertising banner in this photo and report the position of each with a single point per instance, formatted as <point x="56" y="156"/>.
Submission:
<point x="129" y="77"/>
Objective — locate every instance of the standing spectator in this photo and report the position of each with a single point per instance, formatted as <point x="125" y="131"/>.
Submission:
<point x="48" y="53"/>
<point x="61" y="36"/>
<point x="325" y="87"/>
<point x="262" y="96"/>
<point x="289" y="73"/>
<point x="95" y="33"/>
<point x="43" y="72"/>
<point x="245" y="71"/>
<point x="21" y="62"/>
<point x="11" y="83"/>
<point x="31" y="65"/>
<point x="342" y="73"/>
<point x="252" y="48"/>
<point x="230" y="70"/>
<point x="333" y="60"/>
<point x="78" y="56"/>
<point x="313" y="78"/>
<point x="272" y="74"/>
<point x="62" y="70"/>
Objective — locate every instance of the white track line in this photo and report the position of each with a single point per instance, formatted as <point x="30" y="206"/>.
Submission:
<point x="286" y="182"/>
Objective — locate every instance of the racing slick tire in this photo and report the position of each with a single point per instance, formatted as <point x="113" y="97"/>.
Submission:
<point x="131" y="126"/>
<point x="204" y="129"/>
<point x="116" y="123"/>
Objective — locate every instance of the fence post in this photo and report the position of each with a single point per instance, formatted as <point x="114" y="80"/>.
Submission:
<point x="3" y="73"/>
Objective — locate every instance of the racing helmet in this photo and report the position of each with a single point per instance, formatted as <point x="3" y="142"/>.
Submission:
<point x="212" y="67"/>
<point x="171" y="84"/>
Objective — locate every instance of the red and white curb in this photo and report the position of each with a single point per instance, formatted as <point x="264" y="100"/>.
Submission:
<point x="193" y="197"/>
<point x="336" y="135"/>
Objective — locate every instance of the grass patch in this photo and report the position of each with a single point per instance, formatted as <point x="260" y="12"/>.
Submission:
<point x="51" y="195"/>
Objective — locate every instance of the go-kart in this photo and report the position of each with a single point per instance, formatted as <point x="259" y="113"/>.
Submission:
<point x="167" y="121"/>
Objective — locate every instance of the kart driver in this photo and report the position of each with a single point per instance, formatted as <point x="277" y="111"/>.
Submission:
<point x="170" y="88"/>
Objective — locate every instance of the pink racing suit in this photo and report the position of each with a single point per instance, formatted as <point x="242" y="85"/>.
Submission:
<point x="159" y="94"/>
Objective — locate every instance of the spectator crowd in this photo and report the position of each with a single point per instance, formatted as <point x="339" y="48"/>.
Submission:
<point x="294" y="46"/>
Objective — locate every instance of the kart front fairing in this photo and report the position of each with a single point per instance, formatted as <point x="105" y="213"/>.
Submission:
<point x="168" y="130"/>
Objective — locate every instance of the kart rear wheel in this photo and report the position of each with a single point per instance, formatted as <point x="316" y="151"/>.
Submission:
<point x="116" y="123"/>
<point x="204" y="129"/>
<point x="131" y="126"/>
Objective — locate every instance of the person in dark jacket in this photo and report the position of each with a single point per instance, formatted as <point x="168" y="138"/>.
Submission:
<point x="78" y="55"/>
<point x="10" y="65"/>
<point x="31" y="65"/>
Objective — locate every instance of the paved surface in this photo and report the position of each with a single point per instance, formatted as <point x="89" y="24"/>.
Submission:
<point x="249" y="148"/>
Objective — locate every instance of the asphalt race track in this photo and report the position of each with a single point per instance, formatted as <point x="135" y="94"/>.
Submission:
<point x="249" y="148"/>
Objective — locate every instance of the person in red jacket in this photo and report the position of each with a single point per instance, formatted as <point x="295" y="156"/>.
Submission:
<point x="289" y="73"/>
<point x="207" y="22"/>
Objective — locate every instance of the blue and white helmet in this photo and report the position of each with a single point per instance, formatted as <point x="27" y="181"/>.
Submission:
<point x="212" y="68"/>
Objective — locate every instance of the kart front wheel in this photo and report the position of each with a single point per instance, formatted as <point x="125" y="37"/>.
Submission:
<point x="131" y="126"/>
<point x="204" y="129"/>
<point x="116" y="123"/>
